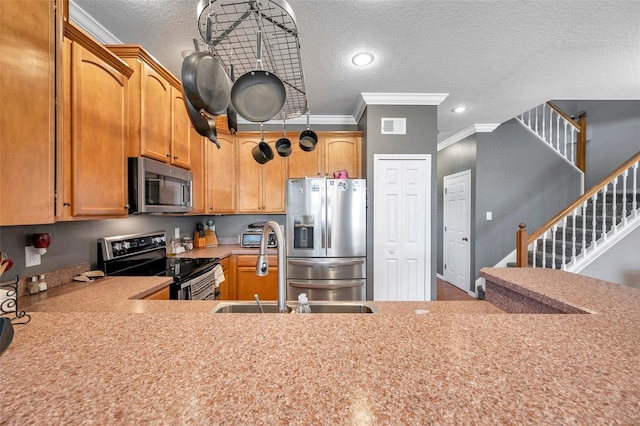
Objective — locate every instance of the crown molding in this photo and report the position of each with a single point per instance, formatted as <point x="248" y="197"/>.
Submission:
<point x="473" y="129"/>
<point x="368" y="98"/>
<point x="90" y="25"/>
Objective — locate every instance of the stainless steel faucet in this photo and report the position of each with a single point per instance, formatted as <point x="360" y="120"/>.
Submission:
<point x="262" y="266"/>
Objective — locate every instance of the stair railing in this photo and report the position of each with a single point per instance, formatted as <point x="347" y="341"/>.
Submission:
<point x="549" y="245"/>
<point x="560" y="131"/>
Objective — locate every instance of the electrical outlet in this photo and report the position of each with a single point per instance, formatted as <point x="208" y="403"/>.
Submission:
<point x="31" y="256"/>
<point x="176" y="233"/>
<point x="489" y="216"/>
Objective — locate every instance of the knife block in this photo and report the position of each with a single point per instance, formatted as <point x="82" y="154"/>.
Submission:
<point x="198" y="241"/>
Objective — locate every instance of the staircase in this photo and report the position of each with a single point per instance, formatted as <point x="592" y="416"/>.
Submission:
<point x="588" y="227"/>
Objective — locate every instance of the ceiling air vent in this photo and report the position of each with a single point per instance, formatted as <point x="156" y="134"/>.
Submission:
<point x="394" y="126"/>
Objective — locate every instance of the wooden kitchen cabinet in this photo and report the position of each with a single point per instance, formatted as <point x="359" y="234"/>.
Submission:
<point x="221" y="174"/>
<point x="228" y="286"/>
<point x="248" y="283"/>
<point x="158" y="119"/>
<point x="92" y="153"/>
<point x="162" y="294"/>
<point x="261" y="187"/>
<point x="334" y="151"/>
<point x="27" y="112"/>
<point x="198" y="170"/>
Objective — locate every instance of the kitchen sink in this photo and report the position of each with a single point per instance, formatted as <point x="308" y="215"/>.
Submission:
<point x="317" y="307"/>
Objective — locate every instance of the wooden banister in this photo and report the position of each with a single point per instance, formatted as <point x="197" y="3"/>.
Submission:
<point x="581" y="147"/>
<point x="563" y="115"/>
<point x="584" y="197"/>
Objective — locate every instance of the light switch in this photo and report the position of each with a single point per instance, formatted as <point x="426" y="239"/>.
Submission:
<point x="489" y="216"/>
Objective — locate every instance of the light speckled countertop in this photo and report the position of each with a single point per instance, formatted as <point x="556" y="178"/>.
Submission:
<point x="96" y="356"/>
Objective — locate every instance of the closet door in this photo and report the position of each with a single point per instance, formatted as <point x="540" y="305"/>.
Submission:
<point x="402" y="227"/>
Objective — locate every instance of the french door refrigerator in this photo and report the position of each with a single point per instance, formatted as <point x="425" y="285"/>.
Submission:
<point x="326" y="239"/>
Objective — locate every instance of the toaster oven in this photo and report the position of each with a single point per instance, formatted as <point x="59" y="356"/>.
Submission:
<point x="252" y="239"/>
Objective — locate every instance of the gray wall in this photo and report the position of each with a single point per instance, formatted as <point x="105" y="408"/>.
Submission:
<point x="74" y="243"/>
<point x="613" y="134"/>
<point x="620" y="264"/>
<point x="456" y="158"/>
<point x="519" y="179"/>
<point x="420" y="138"/>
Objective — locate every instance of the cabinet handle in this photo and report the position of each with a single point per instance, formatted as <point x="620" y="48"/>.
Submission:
<point x="168" y="155"/>
<point x="66" y="204"/>
<point x="175" y="157"/>
<point x="126" y="206"/>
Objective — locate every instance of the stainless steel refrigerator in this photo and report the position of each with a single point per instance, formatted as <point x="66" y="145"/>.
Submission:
<point x="326" y="239"/>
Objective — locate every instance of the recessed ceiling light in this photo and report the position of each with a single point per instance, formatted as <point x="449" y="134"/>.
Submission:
<point x="459" y="109"/>
<point x="362" y="59"/>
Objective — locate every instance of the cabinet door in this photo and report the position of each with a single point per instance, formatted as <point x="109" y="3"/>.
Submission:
<point x="274" y="180"/>
<point x="303" y="164"/>
<point x="342" y="153"/>
<point x="249" y="177"/>
<point x="27" y="118"/>
<point x="228" y="286"/>
<point x="221" y="174"/>
<point x="248" y="283"/>
<point x="155" y="115"/>
<point x="260" y="186"/>
<point x="180" y="131"/>
<point x="99" y="130"/>
<point x="198" y="169"/>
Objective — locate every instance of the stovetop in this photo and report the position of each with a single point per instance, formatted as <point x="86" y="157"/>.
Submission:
<point x="145" y="255"/>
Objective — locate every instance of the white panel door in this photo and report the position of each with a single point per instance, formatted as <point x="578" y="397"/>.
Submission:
<point x="402" y="224"/>
<point x="456" y="218"/>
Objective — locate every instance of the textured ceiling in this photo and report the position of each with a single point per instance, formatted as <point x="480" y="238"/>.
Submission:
<point x="497" y="57"/>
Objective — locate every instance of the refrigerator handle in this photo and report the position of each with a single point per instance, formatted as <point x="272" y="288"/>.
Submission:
<point x="329" y="209"/>
<point x="323" y="217"/>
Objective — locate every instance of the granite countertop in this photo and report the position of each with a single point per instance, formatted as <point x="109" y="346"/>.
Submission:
<point x="94" y="355"/>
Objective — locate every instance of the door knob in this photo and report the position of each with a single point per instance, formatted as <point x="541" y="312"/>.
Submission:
<point x="465" y="239"/>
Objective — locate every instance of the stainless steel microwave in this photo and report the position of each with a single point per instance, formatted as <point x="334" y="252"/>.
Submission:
<point x="156" y="187"/>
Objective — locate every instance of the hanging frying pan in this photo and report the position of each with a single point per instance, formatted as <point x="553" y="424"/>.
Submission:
<point x="258" y="95"/>
<point x="232" y="116"/>
<point x="205" y="83"/>
<point x="205" y="126"/>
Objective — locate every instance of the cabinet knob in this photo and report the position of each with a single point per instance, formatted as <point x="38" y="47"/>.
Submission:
<point x="175" y="157"/>
<point x="126" y="206"/>
<point x="168" y="155"/>
<point x="66" y="204"/>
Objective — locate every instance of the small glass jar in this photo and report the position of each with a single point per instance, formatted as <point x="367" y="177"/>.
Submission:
<point x="187" y="243"/>
<point x="32" y="285"/>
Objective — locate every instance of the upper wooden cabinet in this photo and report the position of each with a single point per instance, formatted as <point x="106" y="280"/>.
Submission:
<point x="198" y="169"/>
<point x="92" y="147"/>
<point x="27" y="117"/>
<point x="334" y="151"/>
<point x="261" y="187"/>
<point x="221" y="174"/>
<point x="159" y="124"/>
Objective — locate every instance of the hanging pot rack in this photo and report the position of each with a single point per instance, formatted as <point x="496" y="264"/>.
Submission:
<point x="233" y="40"/>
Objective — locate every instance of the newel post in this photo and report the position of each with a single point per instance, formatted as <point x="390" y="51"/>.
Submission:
<point x="522" y="255"/>
<point x="581" y="147"/>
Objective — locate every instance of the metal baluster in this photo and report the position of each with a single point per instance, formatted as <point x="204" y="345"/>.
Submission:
<point x="584" y="228"/>
<point x="536" y="125"/>
<point x="554" y="231"/>
<point x="625" y="174"/>
<point x="614" y="210"/>
<point x="573" y="236"/>
<point x="544" y="250"/>
<point x="634" y="194"/>
<point x="604" y="212"/>
<point x="533" y="246"/>
<point x="594" y="240"/>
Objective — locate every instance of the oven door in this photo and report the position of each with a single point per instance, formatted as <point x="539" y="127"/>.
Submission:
<point x="199" y="287"/>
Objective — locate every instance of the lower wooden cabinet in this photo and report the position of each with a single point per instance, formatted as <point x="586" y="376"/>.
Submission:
<point x="159" y="295"/>
<point x="228" y="286"/>
<point x="247" y="283"/>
